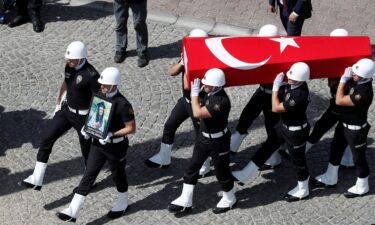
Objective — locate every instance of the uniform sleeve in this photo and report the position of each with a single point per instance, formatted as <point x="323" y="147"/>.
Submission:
<point x="217" y="105"/>
<point x="94" y="76"/>
<point x="358" y="96"/>
<point x="127" y="113"/>
<point x="294" y="101"/>
<point x="271" y="2"/>
<point x="67" y="73"/>
<point x="299" y="6"/>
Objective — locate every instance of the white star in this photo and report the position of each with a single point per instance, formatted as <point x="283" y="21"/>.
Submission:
<point x="284" y="42"/>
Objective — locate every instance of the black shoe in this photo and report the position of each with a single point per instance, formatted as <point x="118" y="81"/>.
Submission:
<point x="237" y="181"/>
<point x="28" y="185"/>
<point x="142" y="61"/>
<point x="217" y="210"/>
<point x="119" y="57"/>
<point x="178" y="209"/>
<point x="291" y="198"/>
<point x="64" y="217"/>
<point x="352" y="195"/>
<point x="268" y="167"/>
<point x="317" y="183"/>
<point x="151" y="164"/>
<point x="116" y="214"/>
<point x="205" y="175"/>
<point x="37" y="23"/>
<point x="18" y="20"/>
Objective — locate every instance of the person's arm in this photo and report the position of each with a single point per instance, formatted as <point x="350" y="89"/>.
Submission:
<point x="277" y="106"/>
<point x="129" y="128"/>
<point x="271" y="6"/>
<point x="341" y="98"/>
<point x="176" y="69"/>
<point x="198" y="111"/>
<point x="61" y="92"/>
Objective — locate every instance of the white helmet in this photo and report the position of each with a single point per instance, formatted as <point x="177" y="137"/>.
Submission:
<point x="76" y="50"/>
<point x="214" y="77"/>
<point x="299" y="71"/>
<point x="364" y="68"/>
<point x="268" y="30"/>
<point x="110" y="76"/>
<point x="198" y="33"/>
<point x="339" y="33"/>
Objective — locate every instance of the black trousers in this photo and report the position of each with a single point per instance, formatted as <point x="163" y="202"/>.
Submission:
<point x="218" y="149"/>
<point x="181" y="111"/>
<point x="328" y="120"/>
<point x="292" y="29"/>
<point x="357" y="140"/>
<point x="261" y="102"/>
<point x="22" y="6"/>
<point x="296" y="143"/>
<point x="61" y="123"/>
<point x="115" y="154"/>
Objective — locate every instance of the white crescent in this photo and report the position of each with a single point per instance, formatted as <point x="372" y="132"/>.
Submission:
<point x="216" y="47"/>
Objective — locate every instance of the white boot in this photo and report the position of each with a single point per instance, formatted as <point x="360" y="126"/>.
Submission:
<point x="301" y="191"/>
<point x="162" y="158"/>
<point x="184" y="201"/>
<point x="347" y="158"/>
<point x="244" y="175"/>
<point x="72" y="212"/>
<point x="274" y="160"/>
<point x="35" y="180"/>
<point x="206" y="168"/>
<point x="226" y="203"/>
<point x="236" y="140"/>
<point x="360" y="188"/>
<point x="120" y="206"/>
<point x="329" y="178"/>
<point x="308" y="146"/>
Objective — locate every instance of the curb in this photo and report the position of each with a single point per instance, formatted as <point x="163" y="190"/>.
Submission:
<point x="167" y="17"/>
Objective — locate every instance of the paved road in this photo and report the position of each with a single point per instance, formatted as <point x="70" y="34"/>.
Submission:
<point x="31" y="68"/>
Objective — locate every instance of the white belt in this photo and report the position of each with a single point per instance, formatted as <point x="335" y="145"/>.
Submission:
<point x="354" y="127"/>
<point x="295" y="128"/>
<point x="82" y="112"/>
<point x="117" y="140"/>
<point x="265" y="90"/>
<point x="215" y="135"/>
<point x="187" y="100"/>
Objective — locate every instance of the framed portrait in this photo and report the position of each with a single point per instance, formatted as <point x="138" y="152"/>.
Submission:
<point x="99" y="117"/>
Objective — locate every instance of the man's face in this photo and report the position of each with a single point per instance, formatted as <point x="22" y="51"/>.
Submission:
<point x="356" y="78"/>
<point x="105" y="88"/>
<point x="208" y="88"/>
<point x="292" y="82"/>
<point x="72" y="63"/>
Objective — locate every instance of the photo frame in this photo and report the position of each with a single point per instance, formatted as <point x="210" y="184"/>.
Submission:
<point x="99" y="117"/>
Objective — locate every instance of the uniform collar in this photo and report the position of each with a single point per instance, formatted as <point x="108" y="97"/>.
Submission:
<point x="364" y="81"/>
<point x="214" y="92"/>
<point x="110" y="95"/>
<point x="80" y="66"/>
<point x="294" y="86"/>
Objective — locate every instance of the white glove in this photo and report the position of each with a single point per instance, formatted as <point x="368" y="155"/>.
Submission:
<point x="84" y="134"/>
<point x="278" y="81"/>
<point x="107" y="139"/>
<point x="195" y="87"/>
<point x="57" y="108"/>
<point x="346" y="76"/>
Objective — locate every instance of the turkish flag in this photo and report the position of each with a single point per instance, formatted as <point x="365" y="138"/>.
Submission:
<point x="255" y="60"/>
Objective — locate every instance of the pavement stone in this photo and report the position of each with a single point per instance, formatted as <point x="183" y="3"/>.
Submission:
<point x="31" y="71"/>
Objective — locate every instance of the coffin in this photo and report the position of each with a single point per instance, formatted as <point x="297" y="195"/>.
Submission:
<point x="255" y="60"/>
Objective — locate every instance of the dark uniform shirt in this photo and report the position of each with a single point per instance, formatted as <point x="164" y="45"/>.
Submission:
<point x="361" y="96"/>
<point x="185" y="92"/>
<point x="295" y="103"/>
<point x="81" y="84"/>
<point x="123" y="112"/>
<point x="218" y="105"/>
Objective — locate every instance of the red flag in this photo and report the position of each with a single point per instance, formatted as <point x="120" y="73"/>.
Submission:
<point x="254" y="60"/>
